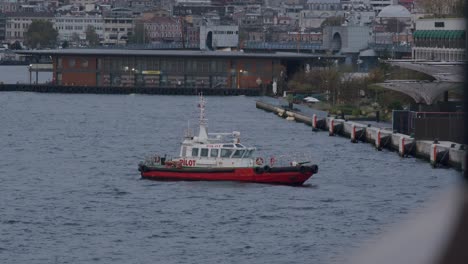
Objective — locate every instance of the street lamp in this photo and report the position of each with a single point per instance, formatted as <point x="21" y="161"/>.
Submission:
<point x="238" y="78"/>
<point x="30" y="72"/>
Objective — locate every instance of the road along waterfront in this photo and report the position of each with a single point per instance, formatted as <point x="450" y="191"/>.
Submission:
<point x="71" y="192"/>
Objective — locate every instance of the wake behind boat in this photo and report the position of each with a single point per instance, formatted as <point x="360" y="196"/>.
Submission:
<point x="211" y="157"/>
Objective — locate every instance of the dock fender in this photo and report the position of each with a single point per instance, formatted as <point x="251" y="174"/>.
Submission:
<point x="433" y="155"/>
<point x="314" y="123"/>
<point x="331" y="128"/>
<point x="353" y="134"/>
<point x="401" y="147"/>
<point x="377" y="141"/>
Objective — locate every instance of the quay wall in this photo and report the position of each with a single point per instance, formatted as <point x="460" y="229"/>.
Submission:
<point x="41" y="88"/>
<point x="443" y="153"/>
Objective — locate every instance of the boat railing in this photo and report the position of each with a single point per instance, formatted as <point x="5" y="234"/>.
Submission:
<point x="287" y="160"/>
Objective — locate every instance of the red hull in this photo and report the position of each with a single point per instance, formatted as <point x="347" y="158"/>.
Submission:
<point x="286" y="175"/>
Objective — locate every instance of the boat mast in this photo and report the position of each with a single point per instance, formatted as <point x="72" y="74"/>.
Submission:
<point x="203" y="134"/>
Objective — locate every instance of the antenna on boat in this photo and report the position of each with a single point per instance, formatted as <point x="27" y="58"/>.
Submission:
<point x="188" y="132"/>
<point x="203" y="134"/>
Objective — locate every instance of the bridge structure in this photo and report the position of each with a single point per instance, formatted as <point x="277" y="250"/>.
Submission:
<point x="447" y="75"/>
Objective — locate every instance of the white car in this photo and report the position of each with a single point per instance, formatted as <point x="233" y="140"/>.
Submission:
<point x="310" y="99"/>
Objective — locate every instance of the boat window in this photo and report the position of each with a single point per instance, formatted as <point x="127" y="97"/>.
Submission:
<point x="195" y="152"/>
<point x="238" y="153"/>
<point x="249" y="153"/>
<point x="239" y="146"/>
<point x="226" y="153"/>
<point x="214" y="153"/>
<point x="204" y="152"/>
<point x="228" y="146"/>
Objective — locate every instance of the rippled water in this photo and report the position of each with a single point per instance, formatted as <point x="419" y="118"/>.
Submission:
<point x="70" y="191"/>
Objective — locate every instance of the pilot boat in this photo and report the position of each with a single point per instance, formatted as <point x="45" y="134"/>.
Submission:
<point x="212" y="157"/>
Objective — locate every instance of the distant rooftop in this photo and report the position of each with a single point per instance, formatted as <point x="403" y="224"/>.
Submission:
<point x="394" y="11"/>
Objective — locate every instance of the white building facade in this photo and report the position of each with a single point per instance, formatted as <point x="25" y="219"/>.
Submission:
<point x="70" y="25"/>
<point x="18" y="23"/>
<point x="440" y="39"/>
<point x="219" y="36"/>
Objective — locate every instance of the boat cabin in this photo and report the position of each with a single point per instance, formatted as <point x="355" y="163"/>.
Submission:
<point x="234" y="151"/>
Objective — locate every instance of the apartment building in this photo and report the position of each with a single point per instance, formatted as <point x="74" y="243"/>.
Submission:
<point x="117" y="29"/>
<point x="70" y="25"/>
<point x="17" y="24"/>
<point x="163" y="29"/>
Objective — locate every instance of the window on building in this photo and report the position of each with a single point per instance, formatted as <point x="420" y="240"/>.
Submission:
<point x="439" y="24"/>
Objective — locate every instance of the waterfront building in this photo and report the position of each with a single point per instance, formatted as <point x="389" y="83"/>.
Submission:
<point x="442" y="39"/>
<point x="163" y="29"/>
<point x="219" y="36"/>
<point x="169" y="68"/>
<point x="393" y="26"/>
<point x="70" y="25"/>
<point x="323" y="4"/>
<point x="292" y="9"/>
<point x="118" y="26"/>
<point x="197" y="8"/>
<point x="82" y="2"/>
<point x="17" y="24"/>
<point x="9" y="7"/>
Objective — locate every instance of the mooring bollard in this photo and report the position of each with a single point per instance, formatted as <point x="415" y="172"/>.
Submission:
<point x="377" y="141"/>
<point x="406" y="147"/>
<point x="438" y="158"/>
<point x="353" y="134"/>
<point x="314" y="123"/>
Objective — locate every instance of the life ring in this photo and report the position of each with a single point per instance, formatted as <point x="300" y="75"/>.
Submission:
<point x="157" y="159"/>
<point x="259" y="161"/>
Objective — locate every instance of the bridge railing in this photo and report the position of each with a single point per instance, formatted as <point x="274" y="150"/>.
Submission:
<point x="282" y="45"/>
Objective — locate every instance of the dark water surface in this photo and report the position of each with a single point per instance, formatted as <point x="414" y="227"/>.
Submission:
<point x="70" y="191"/>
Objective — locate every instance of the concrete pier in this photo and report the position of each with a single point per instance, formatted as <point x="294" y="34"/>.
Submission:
<point x="439" y="154"/>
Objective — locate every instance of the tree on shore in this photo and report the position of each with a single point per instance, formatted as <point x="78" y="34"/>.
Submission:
<point x="91" y="36"/>
<point x="16" y="46"/>
<point x="41" y="34"/>
<point x="75" y="38"/>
